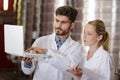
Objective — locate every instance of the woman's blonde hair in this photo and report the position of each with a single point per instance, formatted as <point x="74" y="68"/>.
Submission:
<point x="100" y="30"/>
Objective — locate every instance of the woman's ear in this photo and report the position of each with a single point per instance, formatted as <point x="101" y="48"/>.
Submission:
<point x="99" y="37"/>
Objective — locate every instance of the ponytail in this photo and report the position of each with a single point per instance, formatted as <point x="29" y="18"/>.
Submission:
<point x="105" y="41"/>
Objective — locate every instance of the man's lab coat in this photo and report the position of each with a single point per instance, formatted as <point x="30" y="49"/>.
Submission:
<point x="99" y="67"/>
<point x="54" y="68"/>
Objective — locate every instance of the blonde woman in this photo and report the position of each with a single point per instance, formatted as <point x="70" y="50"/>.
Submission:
<point x="98" y="63"/>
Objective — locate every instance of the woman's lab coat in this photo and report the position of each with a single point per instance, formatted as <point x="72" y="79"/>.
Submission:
<point x="99" y="67"/>
<point x="53" y="68"/>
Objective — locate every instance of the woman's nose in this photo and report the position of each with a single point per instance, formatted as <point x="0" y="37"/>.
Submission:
<point x="84" y="36"/>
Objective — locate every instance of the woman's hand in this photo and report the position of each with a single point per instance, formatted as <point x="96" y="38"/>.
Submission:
<point x="76" y="70"/>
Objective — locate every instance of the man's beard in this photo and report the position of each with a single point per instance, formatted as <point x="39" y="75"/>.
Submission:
<point x="61" y="32"/>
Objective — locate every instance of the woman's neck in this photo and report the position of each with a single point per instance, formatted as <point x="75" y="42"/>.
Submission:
<point x="92" y="50"/>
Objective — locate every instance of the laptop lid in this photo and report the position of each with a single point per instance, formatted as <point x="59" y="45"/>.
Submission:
<point x="14" y="39"/>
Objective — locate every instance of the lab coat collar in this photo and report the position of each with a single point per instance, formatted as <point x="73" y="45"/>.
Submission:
<point x="67" y="40"/>
<point x="98" y="52"/>
<point x="66" y="44"/>
<point x="53" y="36"/>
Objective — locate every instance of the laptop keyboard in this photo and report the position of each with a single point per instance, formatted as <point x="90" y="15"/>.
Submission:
<point x="33" y="55"/>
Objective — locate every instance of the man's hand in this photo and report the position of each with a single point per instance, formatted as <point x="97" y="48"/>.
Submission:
<point x="26" y="60"/>
<point x="36" y="50"/>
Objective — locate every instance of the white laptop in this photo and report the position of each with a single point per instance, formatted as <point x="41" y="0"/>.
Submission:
<point x="14" y="42"/>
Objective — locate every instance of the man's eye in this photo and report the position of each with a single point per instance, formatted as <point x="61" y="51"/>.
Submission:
<point x="64" y="22"/>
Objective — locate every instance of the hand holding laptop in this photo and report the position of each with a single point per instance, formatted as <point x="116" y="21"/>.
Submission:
<point x="36" y="52"/>
<point x="25" y="59"/>
<point x="33" y="50"/>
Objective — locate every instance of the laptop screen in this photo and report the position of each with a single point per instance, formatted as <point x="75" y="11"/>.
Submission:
<point x="14" y="39"/>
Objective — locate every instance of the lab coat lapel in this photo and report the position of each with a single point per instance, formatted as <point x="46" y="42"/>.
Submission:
<point x="98" y="53"/>
<point x="52" y="43"/>
<point x="68" y="43"/>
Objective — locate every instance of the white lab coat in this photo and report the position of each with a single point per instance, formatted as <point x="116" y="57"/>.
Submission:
<point x="99" y="67"/>
<point x="54" y="68"/>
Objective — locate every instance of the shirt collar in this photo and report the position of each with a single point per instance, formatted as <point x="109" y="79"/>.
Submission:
<point x="58" y="40"/>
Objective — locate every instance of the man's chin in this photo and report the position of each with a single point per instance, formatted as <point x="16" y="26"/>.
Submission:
<point x="59" y="34"/>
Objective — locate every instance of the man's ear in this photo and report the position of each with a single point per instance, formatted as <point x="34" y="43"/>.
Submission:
<point x="99" y="37"/>
<point x="72" y="25"/>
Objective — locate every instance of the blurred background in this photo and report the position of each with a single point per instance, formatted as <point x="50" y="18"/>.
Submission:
<point x="37" y="17"/>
